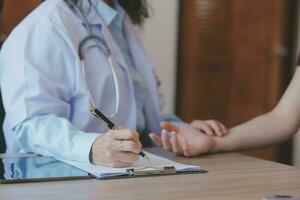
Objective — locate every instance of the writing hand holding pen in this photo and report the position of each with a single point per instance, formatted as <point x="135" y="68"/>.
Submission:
<point x="118" y="147"/>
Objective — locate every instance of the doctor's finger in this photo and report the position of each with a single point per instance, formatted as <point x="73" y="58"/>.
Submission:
<point x="215" y="126"/>
<point x="202" y="126"/>
<point x="224" y="129"/>
<point x="175" y="144"/>
<point x="166" y="141"/>
<point x="117" y="163"/>
<point x="129" y="146"/>
<point x="126" y="157"/>
<point x="185" y="147"/>
<point x="125" y="134"/>
<point x="169" y="127"/>
<point x="156" y="139"/>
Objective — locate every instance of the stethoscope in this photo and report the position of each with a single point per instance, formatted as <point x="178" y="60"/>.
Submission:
<point x="101" y="45"/>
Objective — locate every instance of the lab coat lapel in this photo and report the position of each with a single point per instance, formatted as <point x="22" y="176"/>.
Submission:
<point x="152" y="107"/>
<point x="118" y="56"/>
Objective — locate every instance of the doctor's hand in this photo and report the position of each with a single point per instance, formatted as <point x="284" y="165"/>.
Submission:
<point x="210" y="127"/>
<point x="116" y="148"/>
<point x="185" y="140"/>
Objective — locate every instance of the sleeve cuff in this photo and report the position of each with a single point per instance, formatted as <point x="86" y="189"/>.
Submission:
<point x="173" y="119"/>
<point x="82" y="146"/>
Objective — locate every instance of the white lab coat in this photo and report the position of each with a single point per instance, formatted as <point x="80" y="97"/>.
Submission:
<point x="44" y="91"/>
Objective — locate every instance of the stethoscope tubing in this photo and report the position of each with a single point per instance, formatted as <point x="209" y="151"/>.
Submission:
<point x="101" y="46"/>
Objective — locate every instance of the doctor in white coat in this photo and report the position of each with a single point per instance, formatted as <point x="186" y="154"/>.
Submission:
<point x="46" y="95"/>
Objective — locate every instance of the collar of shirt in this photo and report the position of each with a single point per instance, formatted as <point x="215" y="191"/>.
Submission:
<point x="100" y="12"/>
<point x="118" y="21"/>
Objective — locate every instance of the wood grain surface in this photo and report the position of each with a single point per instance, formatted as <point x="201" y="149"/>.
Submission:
<point x="230" y="176"/>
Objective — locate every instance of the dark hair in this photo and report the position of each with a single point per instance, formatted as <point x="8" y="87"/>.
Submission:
<point x="136" y="9"/>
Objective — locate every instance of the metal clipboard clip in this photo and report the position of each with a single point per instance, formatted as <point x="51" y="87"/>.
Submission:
<point x="151" y="171"/>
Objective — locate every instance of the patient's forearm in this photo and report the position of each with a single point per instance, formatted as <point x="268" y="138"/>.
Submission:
<point x="261" y="131"/>
<point x="271" y="128"/>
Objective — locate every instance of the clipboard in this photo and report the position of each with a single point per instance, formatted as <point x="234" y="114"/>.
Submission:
<point x="158" y="166"/>
<point x="151" y="173"/>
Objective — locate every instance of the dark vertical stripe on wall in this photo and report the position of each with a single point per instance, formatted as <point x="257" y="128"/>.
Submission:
<point x="286" y="149"/>
<point x="179" y="56"/>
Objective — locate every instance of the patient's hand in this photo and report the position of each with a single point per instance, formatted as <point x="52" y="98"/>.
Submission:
<point x="185" y="140"/>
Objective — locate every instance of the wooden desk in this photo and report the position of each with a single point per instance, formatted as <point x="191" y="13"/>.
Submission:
<point x="231" y="176"/>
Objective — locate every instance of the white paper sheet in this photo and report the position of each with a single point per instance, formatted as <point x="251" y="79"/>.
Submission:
<point x="156" y="162"/>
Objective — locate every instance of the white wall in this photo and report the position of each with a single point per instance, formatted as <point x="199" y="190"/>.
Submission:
<point x="161" y="45"/>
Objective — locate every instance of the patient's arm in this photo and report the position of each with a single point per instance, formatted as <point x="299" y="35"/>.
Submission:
<point x="274" y="127"/>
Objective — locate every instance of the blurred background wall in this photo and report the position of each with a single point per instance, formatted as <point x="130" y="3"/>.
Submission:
<point x="224" y="59"/>
<point x="161" y="36"/>
<point x="235" y="59"/>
